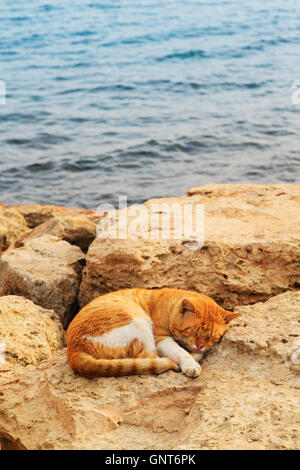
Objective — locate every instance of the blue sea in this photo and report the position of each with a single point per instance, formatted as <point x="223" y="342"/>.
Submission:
<point x="146" y="98"/>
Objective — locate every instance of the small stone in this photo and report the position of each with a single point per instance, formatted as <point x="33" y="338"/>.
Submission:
<point x="45" y="270"/>
<point x="12" y="226"/>
<point x="36" y="214"/>
<point x="75" y="229"/>
<point x="28" y="333"/>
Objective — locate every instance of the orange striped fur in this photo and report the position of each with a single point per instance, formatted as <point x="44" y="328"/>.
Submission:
<point x="143" y="331"/>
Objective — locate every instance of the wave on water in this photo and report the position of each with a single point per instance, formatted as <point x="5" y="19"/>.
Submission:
<point x="146" y="99"/>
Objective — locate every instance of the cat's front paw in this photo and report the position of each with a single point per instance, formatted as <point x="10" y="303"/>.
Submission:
<point x="191" y="370"/>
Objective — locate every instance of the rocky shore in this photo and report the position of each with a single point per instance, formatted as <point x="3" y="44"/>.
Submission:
<point x="248" y="395"/>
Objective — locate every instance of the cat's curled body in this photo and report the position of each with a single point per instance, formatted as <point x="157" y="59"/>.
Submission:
<point x="144" y="331"/>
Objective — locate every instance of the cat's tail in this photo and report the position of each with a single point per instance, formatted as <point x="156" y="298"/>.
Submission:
<point x="86" y="365"/>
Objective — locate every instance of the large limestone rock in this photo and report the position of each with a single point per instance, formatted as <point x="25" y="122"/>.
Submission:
<point x="75" y="229"/>
<point x="127" y="413"/>
<point x="45" y="270"/>
<point x="32" y="417"/>
<point x="239" y="412"/>
<point x="252" y="397"/>
<point x="28" y="333"/>
<point x="250" y="249"/>
<point x="247" y="396"/>
<point x="12" y="226"/>
<point x="36" y="214"/>
<point x="270" y="329"/>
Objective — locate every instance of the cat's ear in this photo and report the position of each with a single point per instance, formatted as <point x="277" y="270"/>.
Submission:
<point x="187" y="306"/>
<point x="228" y="316"/>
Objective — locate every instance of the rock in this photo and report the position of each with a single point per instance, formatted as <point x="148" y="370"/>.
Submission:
<point x="45" y="270"/>
<point x="235" y="412"/>
<point x="127" y="413"/>
<point x="271" y="328"/>
<point x="245" y="398"/>
<point x="75" y="229"/>
<point x="251" y="395"/>
<point x="250" y="250"/>
<point x="12" y="226"/>
<point x="31" y="416"/>
<point x="36" y="214"/>
<point x="28" y="333"/>
<point x="263" y="340"/>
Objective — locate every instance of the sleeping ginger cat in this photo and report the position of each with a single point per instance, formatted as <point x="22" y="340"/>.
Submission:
<point x="143" y="331"/>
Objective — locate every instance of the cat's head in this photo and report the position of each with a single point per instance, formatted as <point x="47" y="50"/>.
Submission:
<point x="199" y="323"/>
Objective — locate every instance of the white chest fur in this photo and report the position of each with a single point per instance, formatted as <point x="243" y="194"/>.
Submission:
<point x="139" y="328"/>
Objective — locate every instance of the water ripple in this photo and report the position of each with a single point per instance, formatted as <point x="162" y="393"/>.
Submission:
<point x="145" y="98"/>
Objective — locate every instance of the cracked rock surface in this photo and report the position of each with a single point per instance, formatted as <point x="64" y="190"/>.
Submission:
<point x="45" y="270"/>
<point x="247" y="397"/>
<point x="248" y="394"/>
<point x="29" y="334"/>
<point x="250" y="251"/>
<point x="12" y="226"/>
